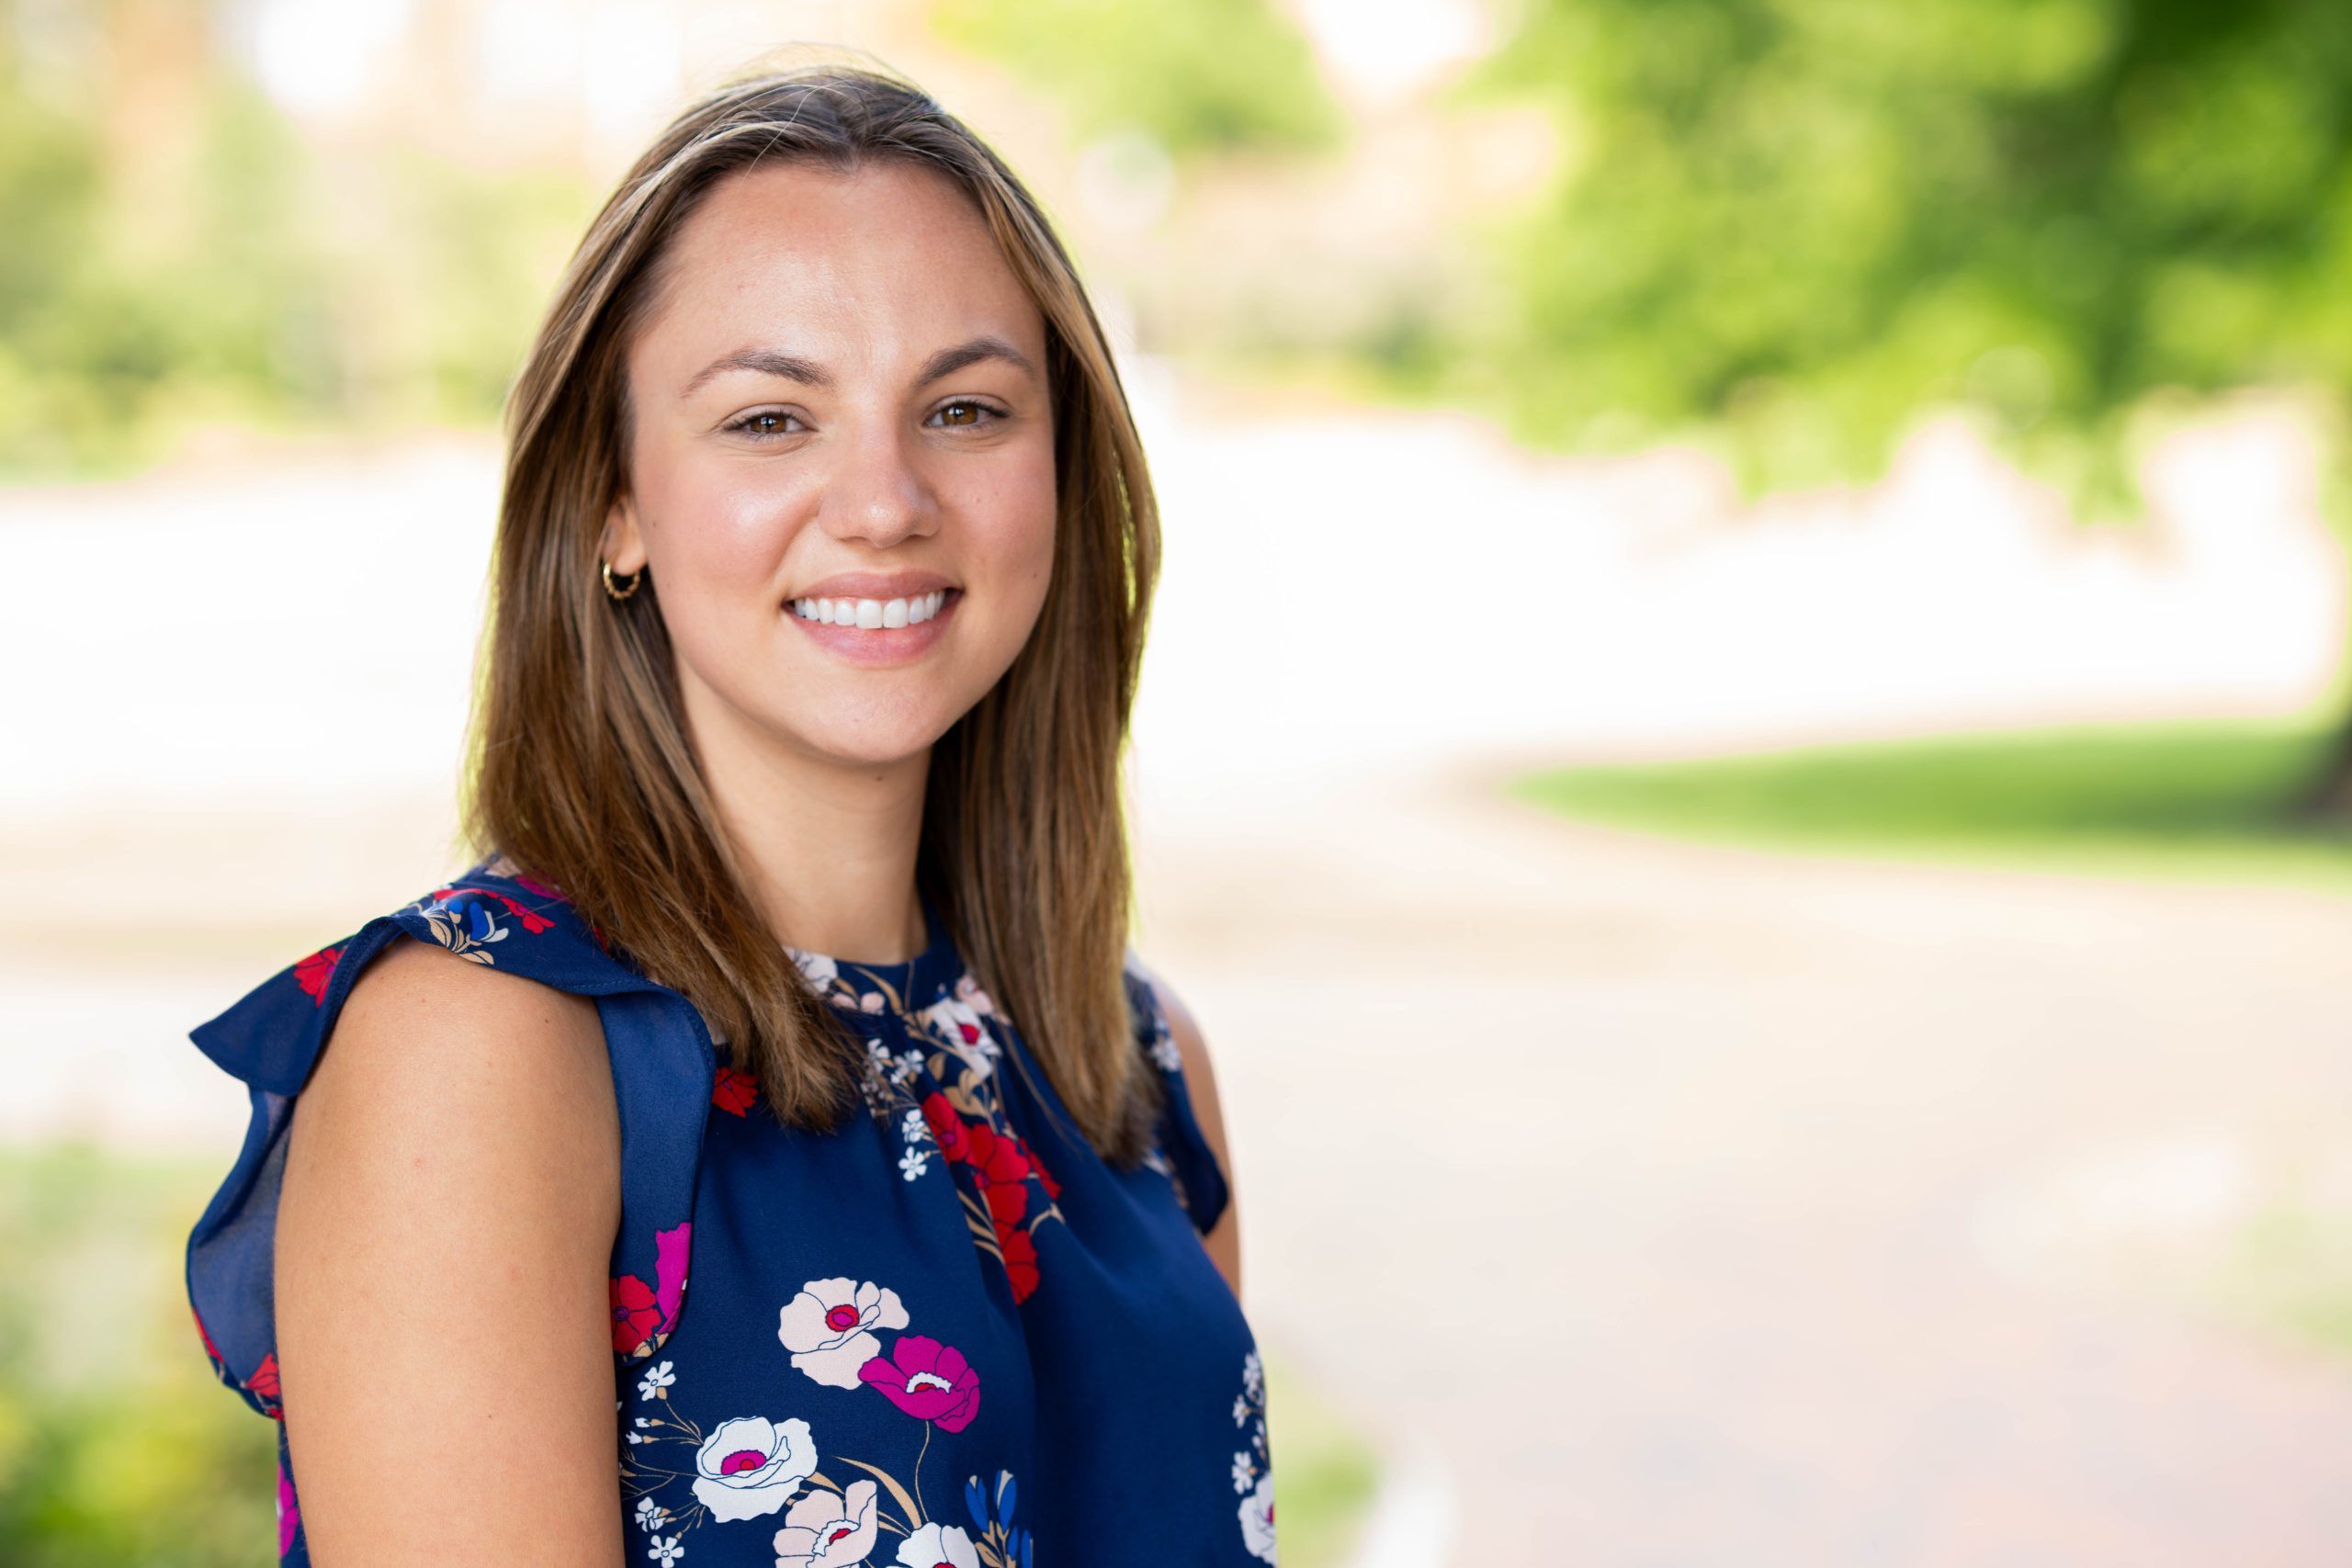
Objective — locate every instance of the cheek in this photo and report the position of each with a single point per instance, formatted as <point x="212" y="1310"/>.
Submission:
<point x="1016" y="518"/>
<point x="718" y="537"/>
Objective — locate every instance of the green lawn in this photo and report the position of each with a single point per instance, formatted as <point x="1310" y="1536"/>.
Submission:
<point x="2197" y="801"/>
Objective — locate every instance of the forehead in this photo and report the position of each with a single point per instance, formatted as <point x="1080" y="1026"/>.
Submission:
<point x="892" y="259"/>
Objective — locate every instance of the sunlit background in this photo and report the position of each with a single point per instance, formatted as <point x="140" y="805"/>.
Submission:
<point x="1745" y="756"/>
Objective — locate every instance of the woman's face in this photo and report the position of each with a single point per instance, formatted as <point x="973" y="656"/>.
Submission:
<point x="841" y="398"/>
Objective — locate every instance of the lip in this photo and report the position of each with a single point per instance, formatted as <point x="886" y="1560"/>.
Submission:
<point x="883" y="585"/>
<point x="883" y="646"/>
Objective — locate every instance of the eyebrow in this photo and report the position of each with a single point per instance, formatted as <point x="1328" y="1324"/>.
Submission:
<point x="808" y="373"/>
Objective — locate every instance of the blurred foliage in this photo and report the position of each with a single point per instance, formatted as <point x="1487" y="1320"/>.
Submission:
<point x="1325" y="1474"/>
<point x="117" y="1445"/>
<point x="262" y="289"/>
<point x="1203" y="77"/>
<point x="1806" y="219"/>
<point x="2193" y="801"/>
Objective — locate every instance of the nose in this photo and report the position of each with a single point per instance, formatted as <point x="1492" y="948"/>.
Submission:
<point x="875" y="491"/>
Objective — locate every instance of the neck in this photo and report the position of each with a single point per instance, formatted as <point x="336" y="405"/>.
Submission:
<point x="828" y="846"/>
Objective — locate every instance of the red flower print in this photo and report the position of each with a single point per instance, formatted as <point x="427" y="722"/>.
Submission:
<point x="533" y="921"/>
<point x="927" y="1380"/>
<point x="734" y="1091"/>
<point x="263" y="1381"/>
<point x="946" y="1127"/>
<point x="313" y="973"/>
<point x="642" y="1314"/>
<point x="635" y="1315"/>
<point x="1020" y="1251"/>
<point x="996" y="1158"/>
<point x="1052" y="1187"/>
<point x="206" y="1335"/>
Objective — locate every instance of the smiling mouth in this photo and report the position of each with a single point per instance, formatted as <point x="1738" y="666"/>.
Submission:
<point x="877" y="615"/>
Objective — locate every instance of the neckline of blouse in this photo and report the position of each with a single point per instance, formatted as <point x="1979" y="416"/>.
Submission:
<point x="913" y="978"/>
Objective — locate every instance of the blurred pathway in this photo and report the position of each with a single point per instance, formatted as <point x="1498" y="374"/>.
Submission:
<point x="1696" y="1207"/>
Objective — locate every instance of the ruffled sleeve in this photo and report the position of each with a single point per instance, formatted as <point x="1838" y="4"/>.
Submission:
<point x="1199" y="1179"/>
<point x="662" y="1064"/>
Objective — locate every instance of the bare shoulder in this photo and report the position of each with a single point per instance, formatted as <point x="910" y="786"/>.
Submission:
<point x="443" y="1232"/>
<point x="1224" y="1240"/>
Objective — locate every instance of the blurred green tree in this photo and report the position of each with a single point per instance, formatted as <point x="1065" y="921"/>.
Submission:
<point x="1790" y="224"/>
<point x="1204" y="76"/>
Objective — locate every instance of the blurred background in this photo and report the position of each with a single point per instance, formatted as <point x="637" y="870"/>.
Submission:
<point x="1773" y="898"/>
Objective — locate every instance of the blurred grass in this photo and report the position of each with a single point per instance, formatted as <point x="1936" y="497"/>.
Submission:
<point x="117" y="1446"/>
<point x="2189" y="801"/>
<point x="2291" y="1272"/>
<point x="1324" y="1473"/>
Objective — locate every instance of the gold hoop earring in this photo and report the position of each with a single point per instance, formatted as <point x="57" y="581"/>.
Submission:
<point x="635" y="578"/>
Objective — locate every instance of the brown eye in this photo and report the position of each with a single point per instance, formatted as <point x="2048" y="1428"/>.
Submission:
<point x="766" y="424"/>
<point x="975" y="409"/>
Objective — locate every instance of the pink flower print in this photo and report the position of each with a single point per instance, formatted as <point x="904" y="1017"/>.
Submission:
<point x="750" y="1465"/>
<point x="313" y="973"/>
<point x="828" y="1529"/>
<point x="927" y="1380"/>
<point x="534" y="885"/>
<point x="289" y="1514"/>
<point x="642" y="1315"/>
<point x="828" y="1328"/>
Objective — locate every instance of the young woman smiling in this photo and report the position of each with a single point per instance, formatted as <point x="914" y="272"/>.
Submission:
<point x="793" y="962"/>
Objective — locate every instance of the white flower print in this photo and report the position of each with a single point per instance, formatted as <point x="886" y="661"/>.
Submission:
<point x="1240" y="1409"/>
<point x="828" y="1328"/>
<point x="660" y="1377"/>
<point x="1258" y="1520"/>
<point x="958" y="1024"/>
<point x="1164" y="1051"/>
<point x="650" y="1514"/>
<point x="1254" y="1374"/>
<point x="828" y="1529"/>
<point x="873" y="1001"/>
<point x="913" y="1163"/>
<point x="665" y="1550"/>
<point x="819" y="969"/>
<point x="938" y="1546"/>
<point x="1245" y="1471"/>
<point x="968" y="992"/>
<point x="750" y="1465"/>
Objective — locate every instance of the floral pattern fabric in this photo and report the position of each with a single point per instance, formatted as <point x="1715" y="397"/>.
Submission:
<point x="948" y="1332"/>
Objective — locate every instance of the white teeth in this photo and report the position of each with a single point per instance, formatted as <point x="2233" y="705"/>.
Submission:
<point x="871" y="614"/>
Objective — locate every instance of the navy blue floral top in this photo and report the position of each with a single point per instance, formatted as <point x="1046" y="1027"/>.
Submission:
<point x="948" y="1334"/>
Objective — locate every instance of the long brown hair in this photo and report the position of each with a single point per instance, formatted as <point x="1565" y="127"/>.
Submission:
<point x="580" y="767"/>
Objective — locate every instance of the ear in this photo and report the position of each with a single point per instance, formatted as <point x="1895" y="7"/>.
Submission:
<point x="622" y="542"/>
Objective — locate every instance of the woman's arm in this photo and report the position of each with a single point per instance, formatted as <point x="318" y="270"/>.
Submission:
<point x="1224" y="1239"/>
<point x="444" y="1239"/>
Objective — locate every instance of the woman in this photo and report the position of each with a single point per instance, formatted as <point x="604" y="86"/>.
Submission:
<point x="820" y="578"/>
